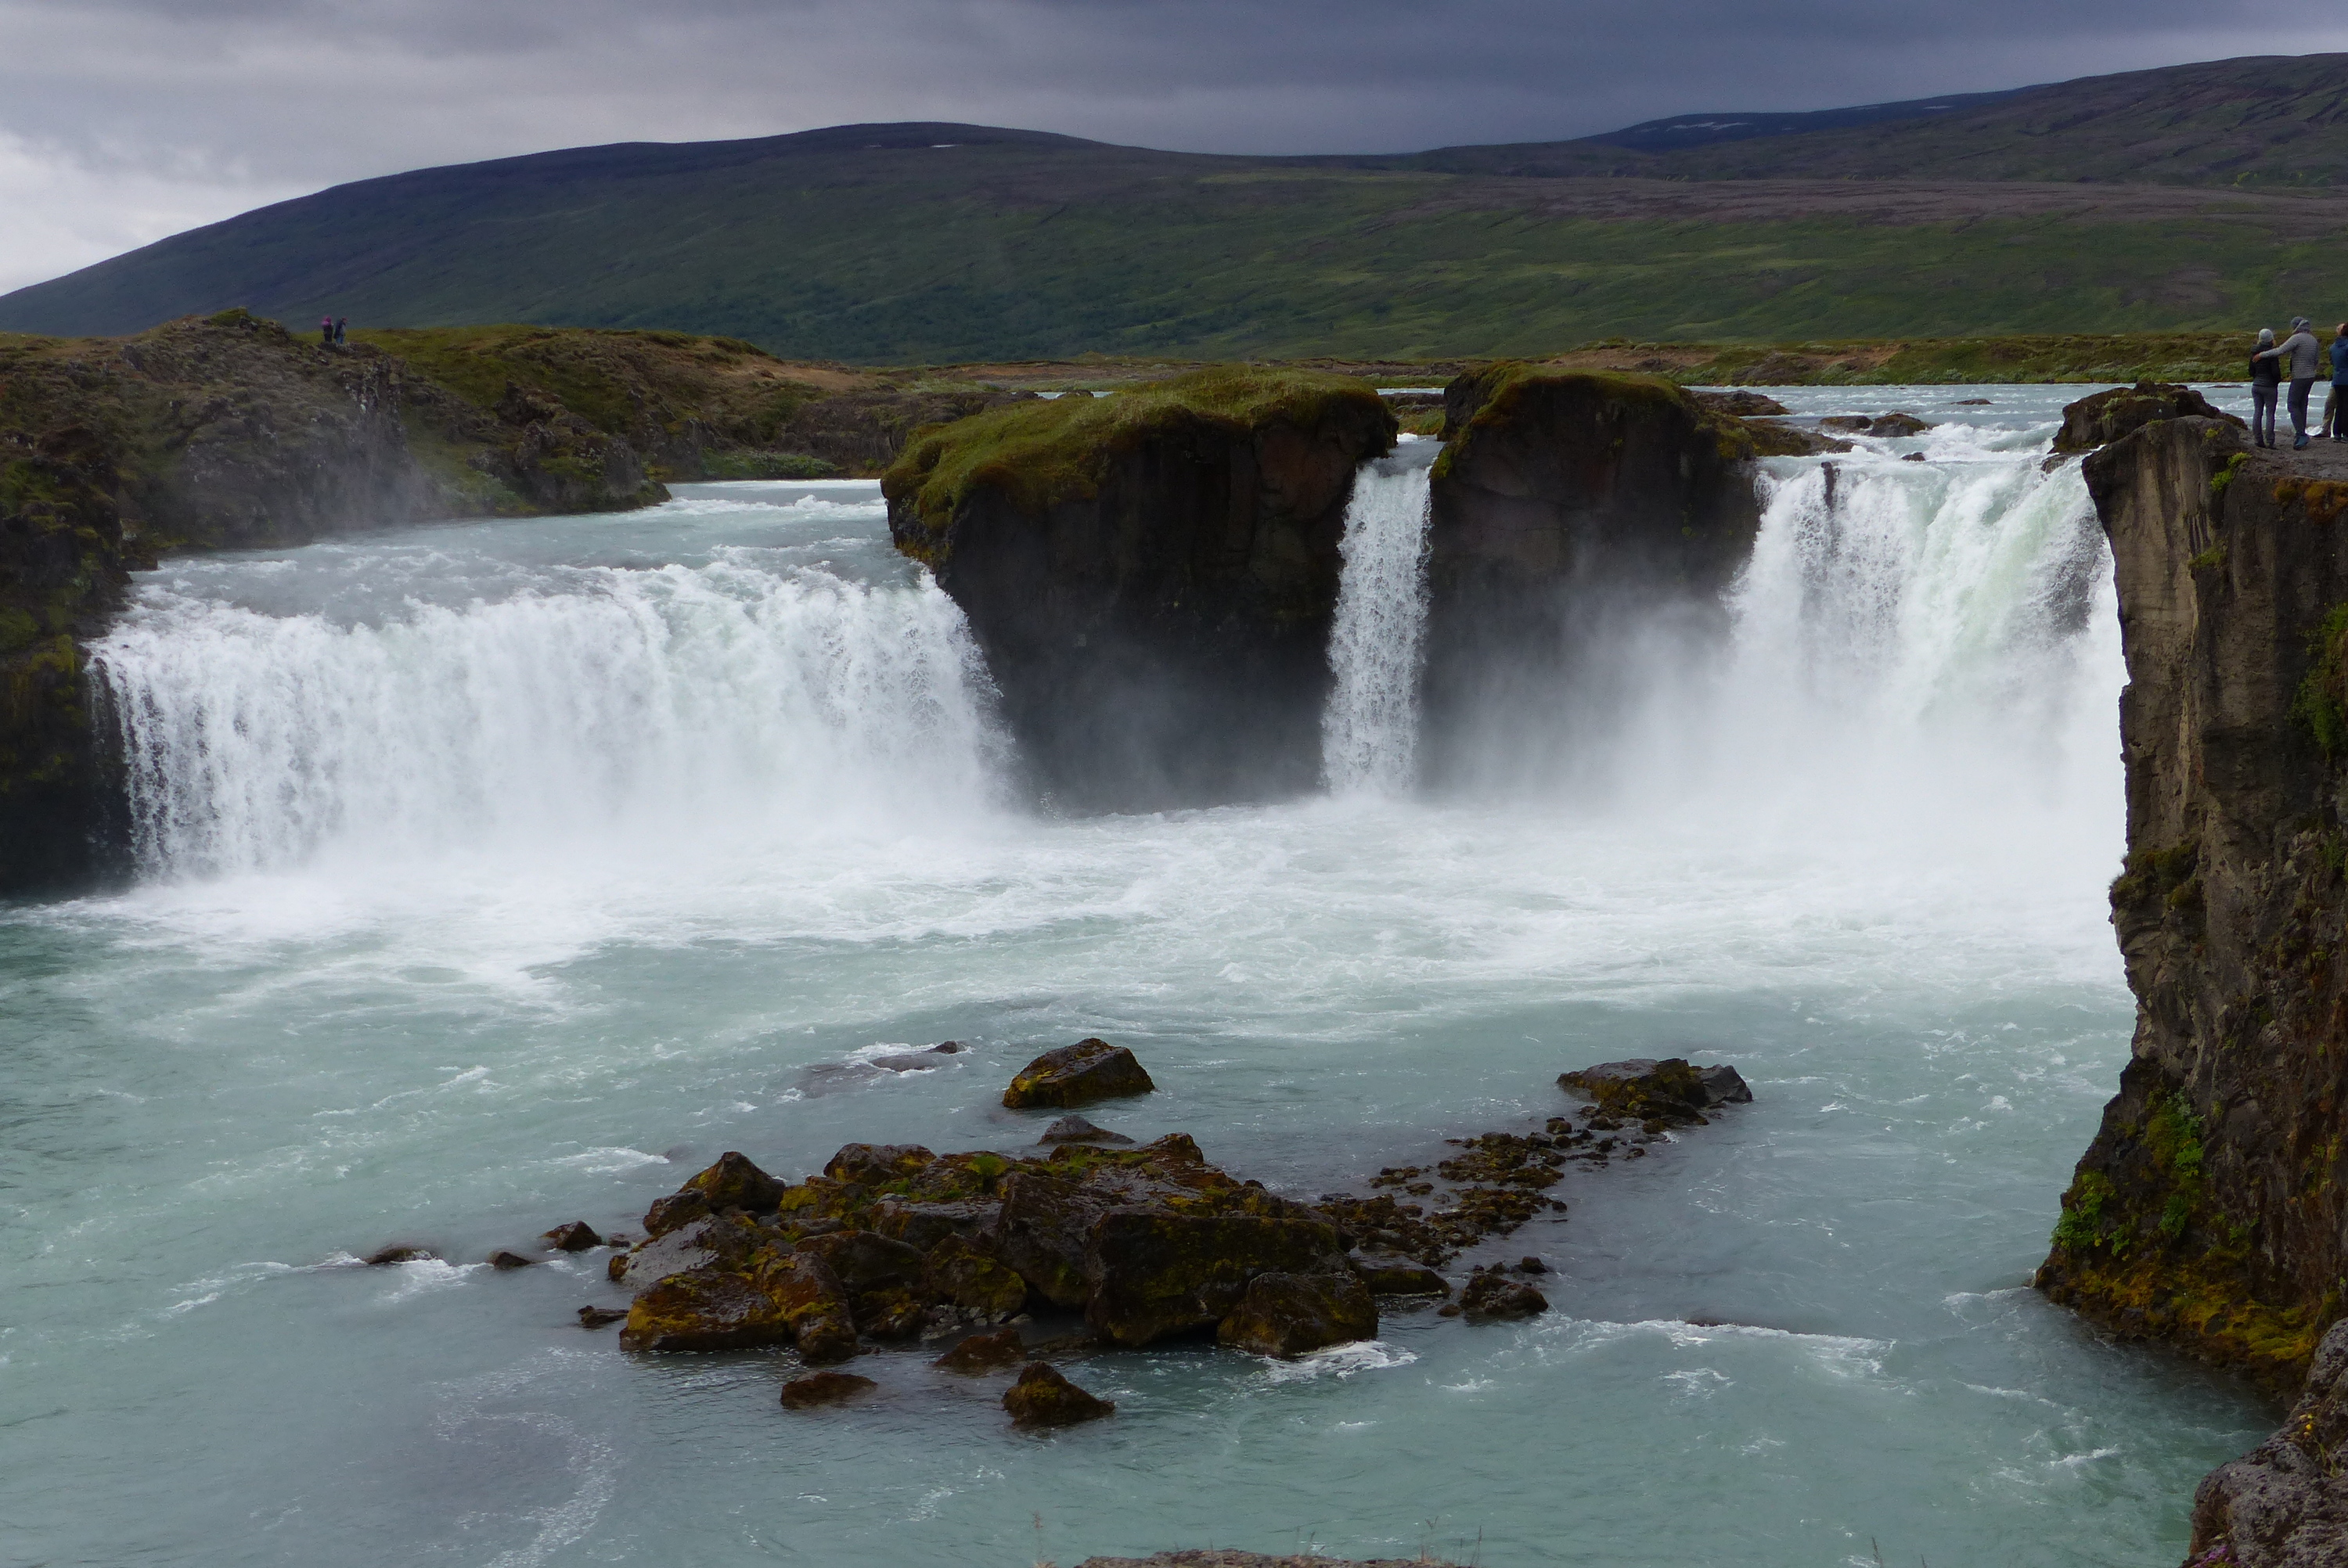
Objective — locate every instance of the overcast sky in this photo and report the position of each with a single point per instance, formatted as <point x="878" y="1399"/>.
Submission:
<point x="125" y="120"/>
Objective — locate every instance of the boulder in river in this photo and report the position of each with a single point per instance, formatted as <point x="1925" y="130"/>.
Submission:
<point x="1043" y="1398"/>
<point x="985" y="1352"/>
<point x="601" y="1317"/>
<point x="1077" y="1130"/>
<point x="1672" y="1091"/>
<point x="1293" y="1313"/>
<point x="706" y="1309"/>
<point x="732" y="1183"/>
<point x="399" y="1251"/>
<point x="1491" y="1297"/>
<point x="1077" y="1074"/>
<point x="501" y="1260"/>
<point x="576" y="1237"/>
<point x="824" y="1388"/>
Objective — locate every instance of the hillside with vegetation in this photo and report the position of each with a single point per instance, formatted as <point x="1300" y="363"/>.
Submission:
<point x="2193" y="197"/>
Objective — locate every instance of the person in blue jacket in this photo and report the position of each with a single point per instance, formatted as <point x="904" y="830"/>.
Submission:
<point x="2265" y="389"/>
<point x="2335" y="402"/>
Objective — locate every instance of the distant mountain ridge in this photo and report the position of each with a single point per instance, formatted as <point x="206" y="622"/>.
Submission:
<point x="2187" y="196"/>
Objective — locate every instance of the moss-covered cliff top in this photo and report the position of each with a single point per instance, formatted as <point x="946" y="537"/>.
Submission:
<point x="1040" y="453"/>
<point x="1494" y="395"/>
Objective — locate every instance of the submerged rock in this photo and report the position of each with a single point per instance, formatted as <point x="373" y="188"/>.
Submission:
<point x="1894" y="424"/>
<point x="985" y="1352"/>
<point x="1293" y="1313"/>
<point x="502" y="1260"/>
<point x="1043" y="1398"/>
<point x="824" y="1388"/>
<point x="399" y="1252"/>
<point x="1077" y="1130"/>
<point x="1077" y="1074"/>
<point x="601" y="1317"/>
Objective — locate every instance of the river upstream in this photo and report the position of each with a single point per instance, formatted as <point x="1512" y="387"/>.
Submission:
<point x="501" y="874"/>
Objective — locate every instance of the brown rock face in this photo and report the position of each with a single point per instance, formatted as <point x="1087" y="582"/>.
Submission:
<point x="734" y="1183"/>
<point x="1568" y="508"/>
<point x="1160" y="636"/>
<point x="1153" y="1274"/>
<point x="1294" y="1314"/>
<point x="2097" y="421"/>
<point x="2284" y="1505"/>
<point x="1078" y="1074"/>
<point x="2210" y="1210"/>
<point x="1043" y="1398"/>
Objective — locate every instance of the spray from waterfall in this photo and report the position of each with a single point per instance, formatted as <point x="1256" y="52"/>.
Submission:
<point x="1369" y="731"/>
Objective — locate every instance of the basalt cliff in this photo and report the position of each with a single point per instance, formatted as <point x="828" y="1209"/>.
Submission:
<point x="2209" y="1212"/>
<point x="1153" y="575"/>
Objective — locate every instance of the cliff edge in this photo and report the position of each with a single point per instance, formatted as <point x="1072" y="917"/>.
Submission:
<point x="2208" y="1213"/>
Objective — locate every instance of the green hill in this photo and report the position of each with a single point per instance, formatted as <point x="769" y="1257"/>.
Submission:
<point x="2190" y="198"/>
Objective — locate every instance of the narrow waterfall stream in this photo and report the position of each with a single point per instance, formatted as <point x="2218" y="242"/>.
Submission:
<point x="505" y="873"/>
<point x="1370" y="732"/>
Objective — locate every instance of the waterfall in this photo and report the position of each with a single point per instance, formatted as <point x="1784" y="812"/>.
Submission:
<point x="717" y="699"/>
<point x="1369" y="731"/>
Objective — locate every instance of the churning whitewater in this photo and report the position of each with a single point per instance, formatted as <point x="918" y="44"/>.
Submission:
<point x="505" y="873"/>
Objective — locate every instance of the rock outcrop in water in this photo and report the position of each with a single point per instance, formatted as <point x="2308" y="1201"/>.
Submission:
<point x="1151" y="575"/>
<point x="1565" y="505"/>
<point x="2211" y="1211"/>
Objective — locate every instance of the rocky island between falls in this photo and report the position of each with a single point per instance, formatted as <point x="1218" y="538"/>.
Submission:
<point x="992" y="1262"/>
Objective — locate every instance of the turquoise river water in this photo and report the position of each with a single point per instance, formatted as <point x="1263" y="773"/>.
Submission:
<point x="498" y="874"/>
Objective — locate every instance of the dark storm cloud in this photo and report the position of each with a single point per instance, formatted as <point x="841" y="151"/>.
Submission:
<point x="121" y="119"/>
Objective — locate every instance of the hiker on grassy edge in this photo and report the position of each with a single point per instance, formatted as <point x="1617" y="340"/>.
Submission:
<point x="2266" y="390"/>
<point x="2298" y="355"/>
<point x="2335" y="402"/>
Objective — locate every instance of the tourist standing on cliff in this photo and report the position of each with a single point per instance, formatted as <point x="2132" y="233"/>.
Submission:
<point x="2299" y="355"/>
<point x="2265" y="389"/>
<point x="2335" y="402"/>
<point x="326" y="331"/>
<point x="342" y="325"/>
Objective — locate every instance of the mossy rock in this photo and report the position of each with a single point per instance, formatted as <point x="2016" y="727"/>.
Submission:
<point x="1039" y="454"/>
<point x="1290" y="1315"/>
<point x="1077" y="1074"/>
<point x="825" y="1388"/>
<point x="1154" y="1274"/>
<point x="707" y="1309"/>
<point x="1043" y="1398"/>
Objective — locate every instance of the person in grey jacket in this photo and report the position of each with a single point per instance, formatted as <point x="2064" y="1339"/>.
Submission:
<point x="2266" y="379"/>
<point x="2299" y="355"/>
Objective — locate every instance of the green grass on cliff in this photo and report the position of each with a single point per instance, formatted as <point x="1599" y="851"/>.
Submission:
<point x="1045" y="452"/>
